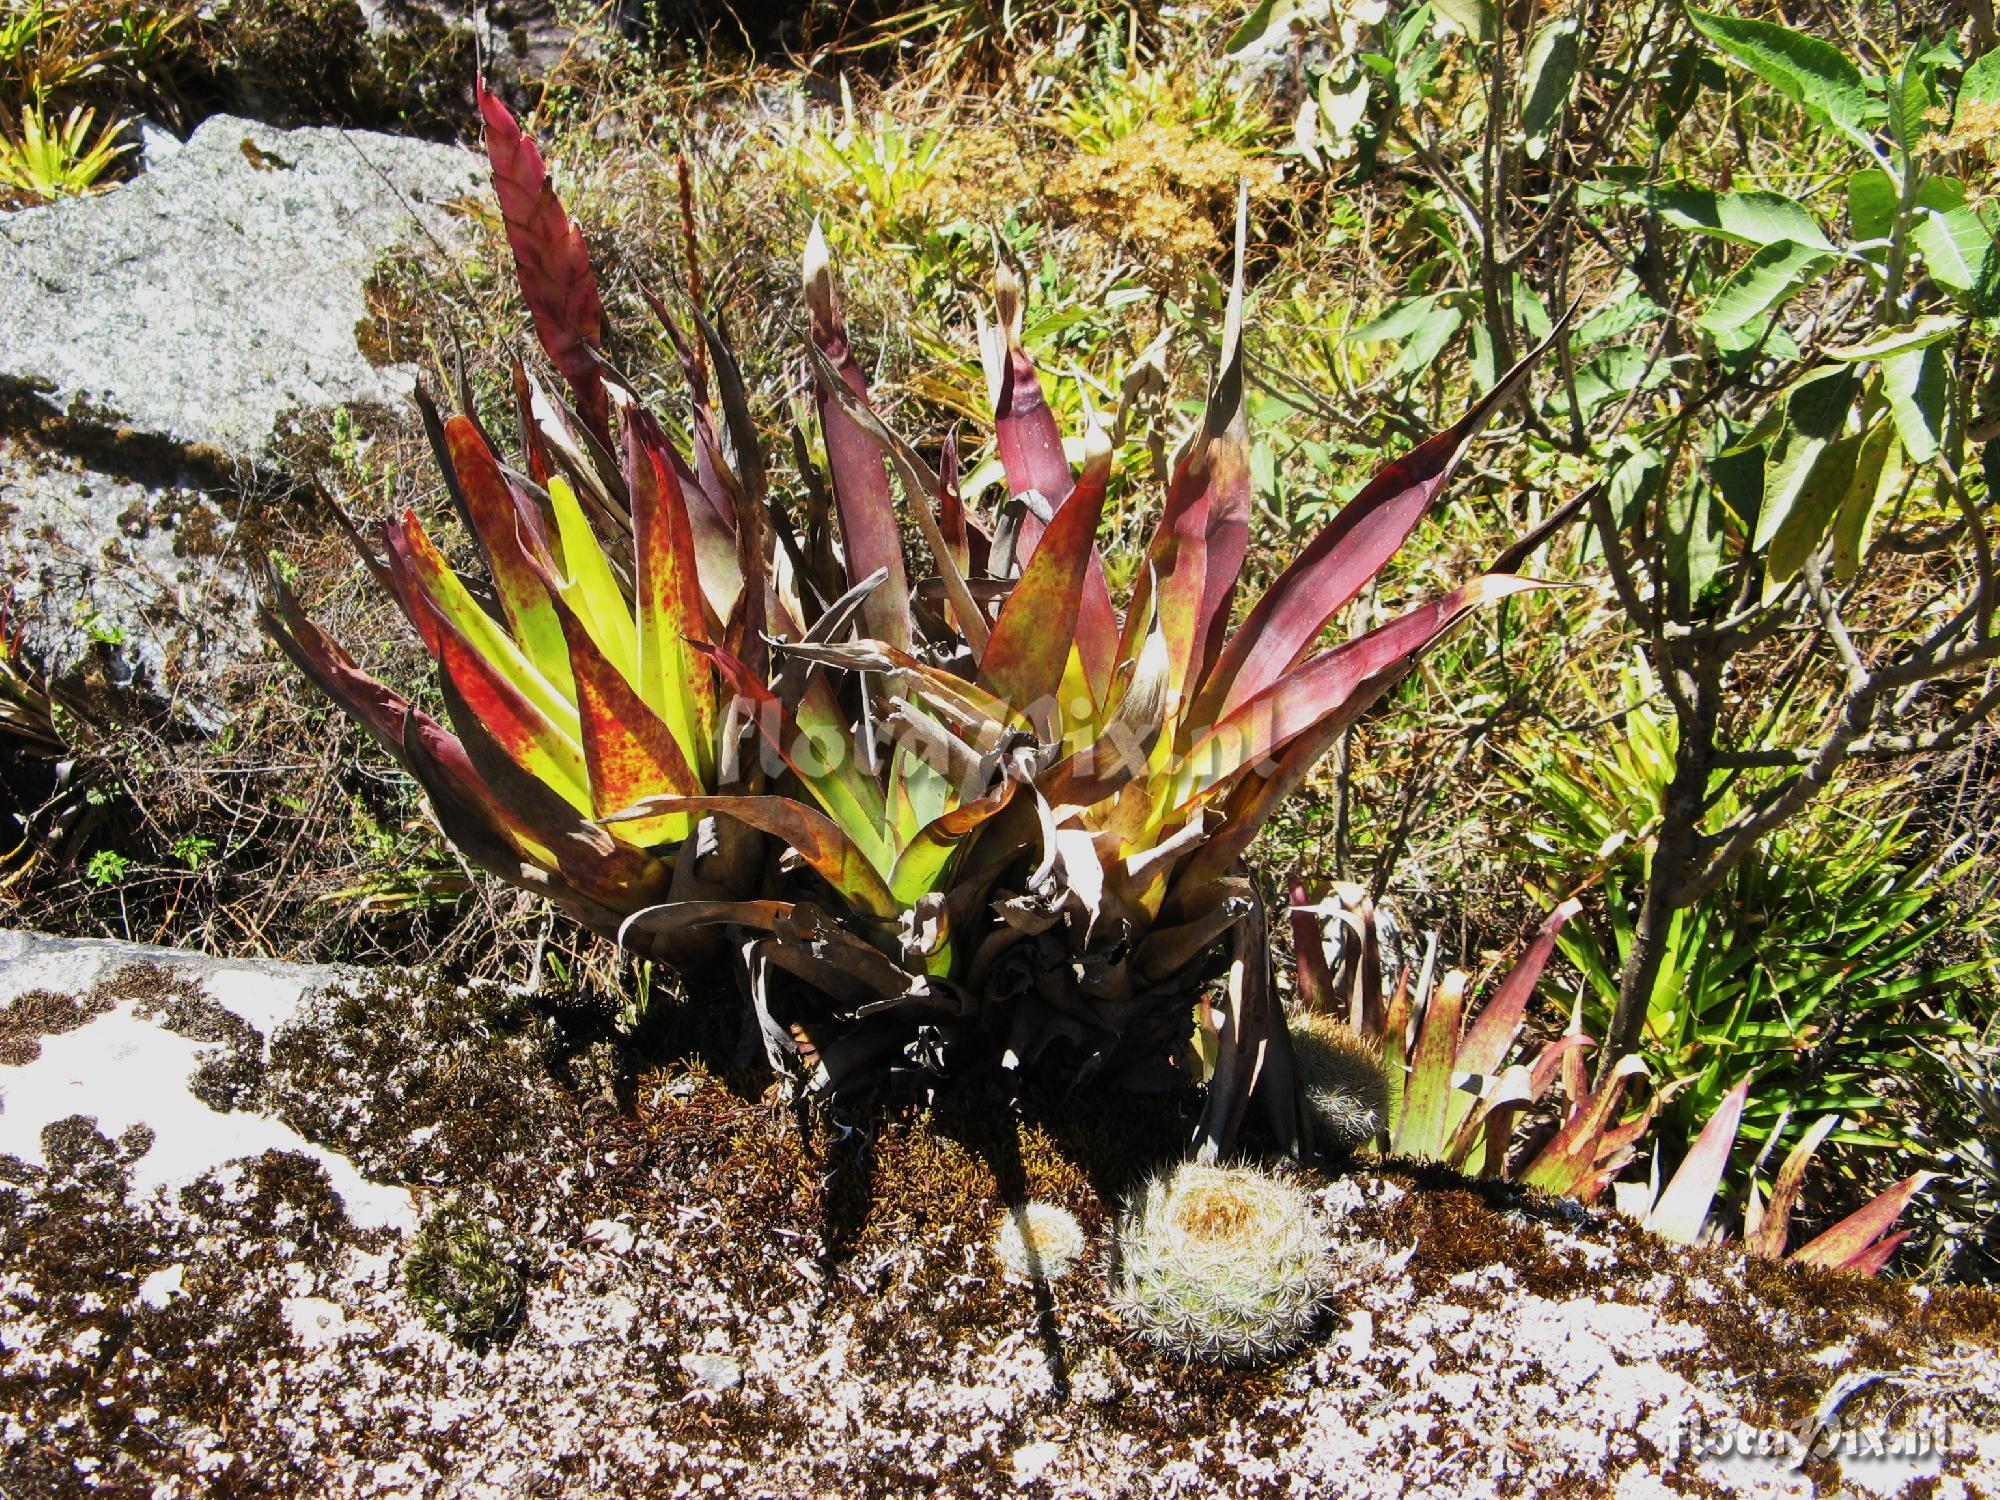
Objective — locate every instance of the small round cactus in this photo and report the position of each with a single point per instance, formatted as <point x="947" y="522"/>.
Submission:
<point x="1344" y="1083"/>
<point x="461" y="1277"/>
<point x="1226" y="1264"/>
<point x="1038" y="1241"/>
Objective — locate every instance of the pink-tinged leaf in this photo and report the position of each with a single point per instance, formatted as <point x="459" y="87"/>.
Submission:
<point x="1314" y="980"/>
<point x="1571" y="1161"/>
<point x="672" y="677"/>
<point x="541" y="463"/>
<point x="1491" y="1037"/>
<point x="1326" y="694"/>
<point x="1208" y="491"/>
<point x="859" y="471"/>
<point x="506" y="528"/>
<point x="951" y="505"/>
<point x="1774" y="1225"/>
<point x="1420" y="1126"/>
<point x="1031" y="641"/>
<point x="1030" y="447"/>
<point x="1871" y="1261"/>
<point x="550" y="262"/>
<point x="1683" y="1207"/>
<point x="1554" y="1058"/>
<point x="1339" y="562"/>
<point x="813" y="836"/>
<point x="1227" y="481"/>
<point x="1855" y="1243"/>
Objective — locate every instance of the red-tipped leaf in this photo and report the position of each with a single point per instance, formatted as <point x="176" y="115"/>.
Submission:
<point x="550" y="260"/>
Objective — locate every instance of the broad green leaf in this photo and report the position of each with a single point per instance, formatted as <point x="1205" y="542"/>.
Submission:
<point x="1878" y="475"/>
<point x="1269" y="15"/>
<point x="1891" y="341"/>
<point x="1911" y="100"/>
<point x="1421" y="352"/>
<point x="1694" y="539"/>
<point x="1813" y="502"/>
<point x="1762" y="284"/>
<point x="1981" y="83"/>
<point x="1475" y="18"/>
<point x="1956" y="245"/>
<point x="1632" y="482"/>
<point x="1397" y="322"/>
<point x="1914" y="382"/>
<point x="1871" y="204"/>
<point x="1813" y="74"/>
<point x="1546" y="84"/>
<point x="1752" y="217"/>
<point x="1816" y="407"/>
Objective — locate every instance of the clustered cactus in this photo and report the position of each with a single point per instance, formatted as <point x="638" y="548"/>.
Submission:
<point x="952" y="808"/>
<point x="1227" y="1264"/>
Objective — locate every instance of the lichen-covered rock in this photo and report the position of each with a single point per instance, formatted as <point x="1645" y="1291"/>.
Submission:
<point x="719" y="1295"/>
<point x="129" y="593"/>
<point x="161" y="347"/>
<point x="218" y="292"/>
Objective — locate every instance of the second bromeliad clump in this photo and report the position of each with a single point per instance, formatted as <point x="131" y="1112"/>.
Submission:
<point x="951" y="812"/>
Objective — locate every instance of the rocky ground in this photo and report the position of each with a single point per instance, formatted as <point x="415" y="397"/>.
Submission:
<point x="213" y="1175"/>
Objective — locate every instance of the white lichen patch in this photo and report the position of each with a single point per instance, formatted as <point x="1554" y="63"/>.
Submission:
<point x="127" y="1070"/>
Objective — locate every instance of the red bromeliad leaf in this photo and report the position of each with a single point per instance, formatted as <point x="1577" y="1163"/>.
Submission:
<point x="672" y="677"/>
<point x="1856" y="1242"/>
<point x="1572" y="1158"/>
<point x="541" y="463"/>
<point x="951" y="505"/>
<point x="326" y="664"/>
<point x="505" y="528"/>
<point x="547" y="825"/>
<point x="1334" y="688"/>
<point x="859" y="471"/>
<point x="1207" y="494"/>
<point x="521" y="729"/>
<point x="1314" y="979"/>
<point x="437" y="602"/>
<point x="1768" y="1236"/>
<point x="629" y="751"/>
<point x="1031" y="641"/>
<point x="551" y="262"/>
<point x="816" y="838"/>
<point x="1491" y="1037"/>
<point x="1226" y="477"/>
<point x="1030" y="447"/>
<point x="1339" y="562"/>
<point x="1683" y="1207"/>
